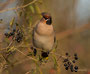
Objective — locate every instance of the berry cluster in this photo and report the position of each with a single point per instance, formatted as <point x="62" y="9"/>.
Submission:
<point x="15" y="34"/>
<point x="70" y="64"/>
<point x="10" y="34"/>
<point x="19" y="36"/>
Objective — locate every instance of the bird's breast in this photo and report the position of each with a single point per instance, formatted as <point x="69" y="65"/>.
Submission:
<point x="45" y="42"/>
<point x="44" y="29"/>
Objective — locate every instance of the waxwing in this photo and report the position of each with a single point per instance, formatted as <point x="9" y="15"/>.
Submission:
<point x="43" y="33"/>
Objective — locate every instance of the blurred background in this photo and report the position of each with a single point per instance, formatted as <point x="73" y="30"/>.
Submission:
<point x="71" y="21"/>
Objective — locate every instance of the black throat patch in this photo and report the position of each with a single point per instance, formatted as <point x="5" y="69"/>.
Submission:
<point x="49" y="21"/>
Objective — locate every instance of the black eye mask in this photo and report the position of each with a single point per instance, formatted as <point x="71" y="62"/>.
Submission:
<point x="49" y="21"/>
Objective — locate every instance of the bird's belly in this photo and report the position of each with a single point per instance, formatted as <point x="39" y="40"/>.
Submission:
<point x="44" y="42"/>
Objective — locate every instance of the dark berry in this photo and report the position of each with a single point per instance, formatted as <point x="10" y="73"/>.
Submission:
<point x="7" y="35"/>
<point x="66" y="68"/>
<point x="73" y="61"/>
<point x="67" y="54"/>
<point x="65" y="60"/>
<point x="65" y="64"/>
<point x="35" y="52"/>
<point x="69" y="63"/>
<point x="11" y="33"/>
<point x="76" y="58"/>
<point x="76" y="68"/>
<point x="18" y="39"/>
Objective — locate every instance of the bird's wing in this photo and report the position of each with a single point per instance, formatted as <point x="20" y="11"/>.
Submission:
<point x="33" y="34"/>
<point x="54" y="39"/>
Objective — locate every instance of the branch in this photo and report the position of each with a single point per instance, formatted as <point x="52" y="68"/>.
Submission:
<point x="62" y="35"/>
<point x="27" y="56"/>
<point x="18" y="7"/>
<point x="3" y="5"/>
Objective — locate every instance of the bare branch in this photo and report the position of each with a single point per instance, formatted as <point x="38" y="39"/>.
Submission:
<point x="26" y="55"/>
<point x="66" y="33"/>
<point x="18" y="7"/>
<point x="3" y="5"/>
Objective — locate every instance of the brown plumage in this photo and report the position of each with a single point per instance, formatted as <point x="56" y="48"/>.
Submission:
<point x="43" y="33"/>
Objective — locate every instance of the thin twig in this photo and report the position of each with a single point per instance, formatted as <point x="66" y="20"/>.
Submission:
<point x="18" y="7"/>
<point x="28" y="72"/>
<point x="26" y="55"/>
<point x="5" y="4"/>
<point x="8" y="45"/>
<point x="64" y="34"/>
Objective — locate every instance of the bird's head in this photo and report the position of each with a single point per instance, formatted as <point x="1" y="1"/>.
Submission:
<point x="47" y="18"/>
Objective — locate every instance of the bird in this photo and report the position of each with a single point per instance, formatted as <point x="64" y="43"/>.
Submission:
<point x="43" y="35"/>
